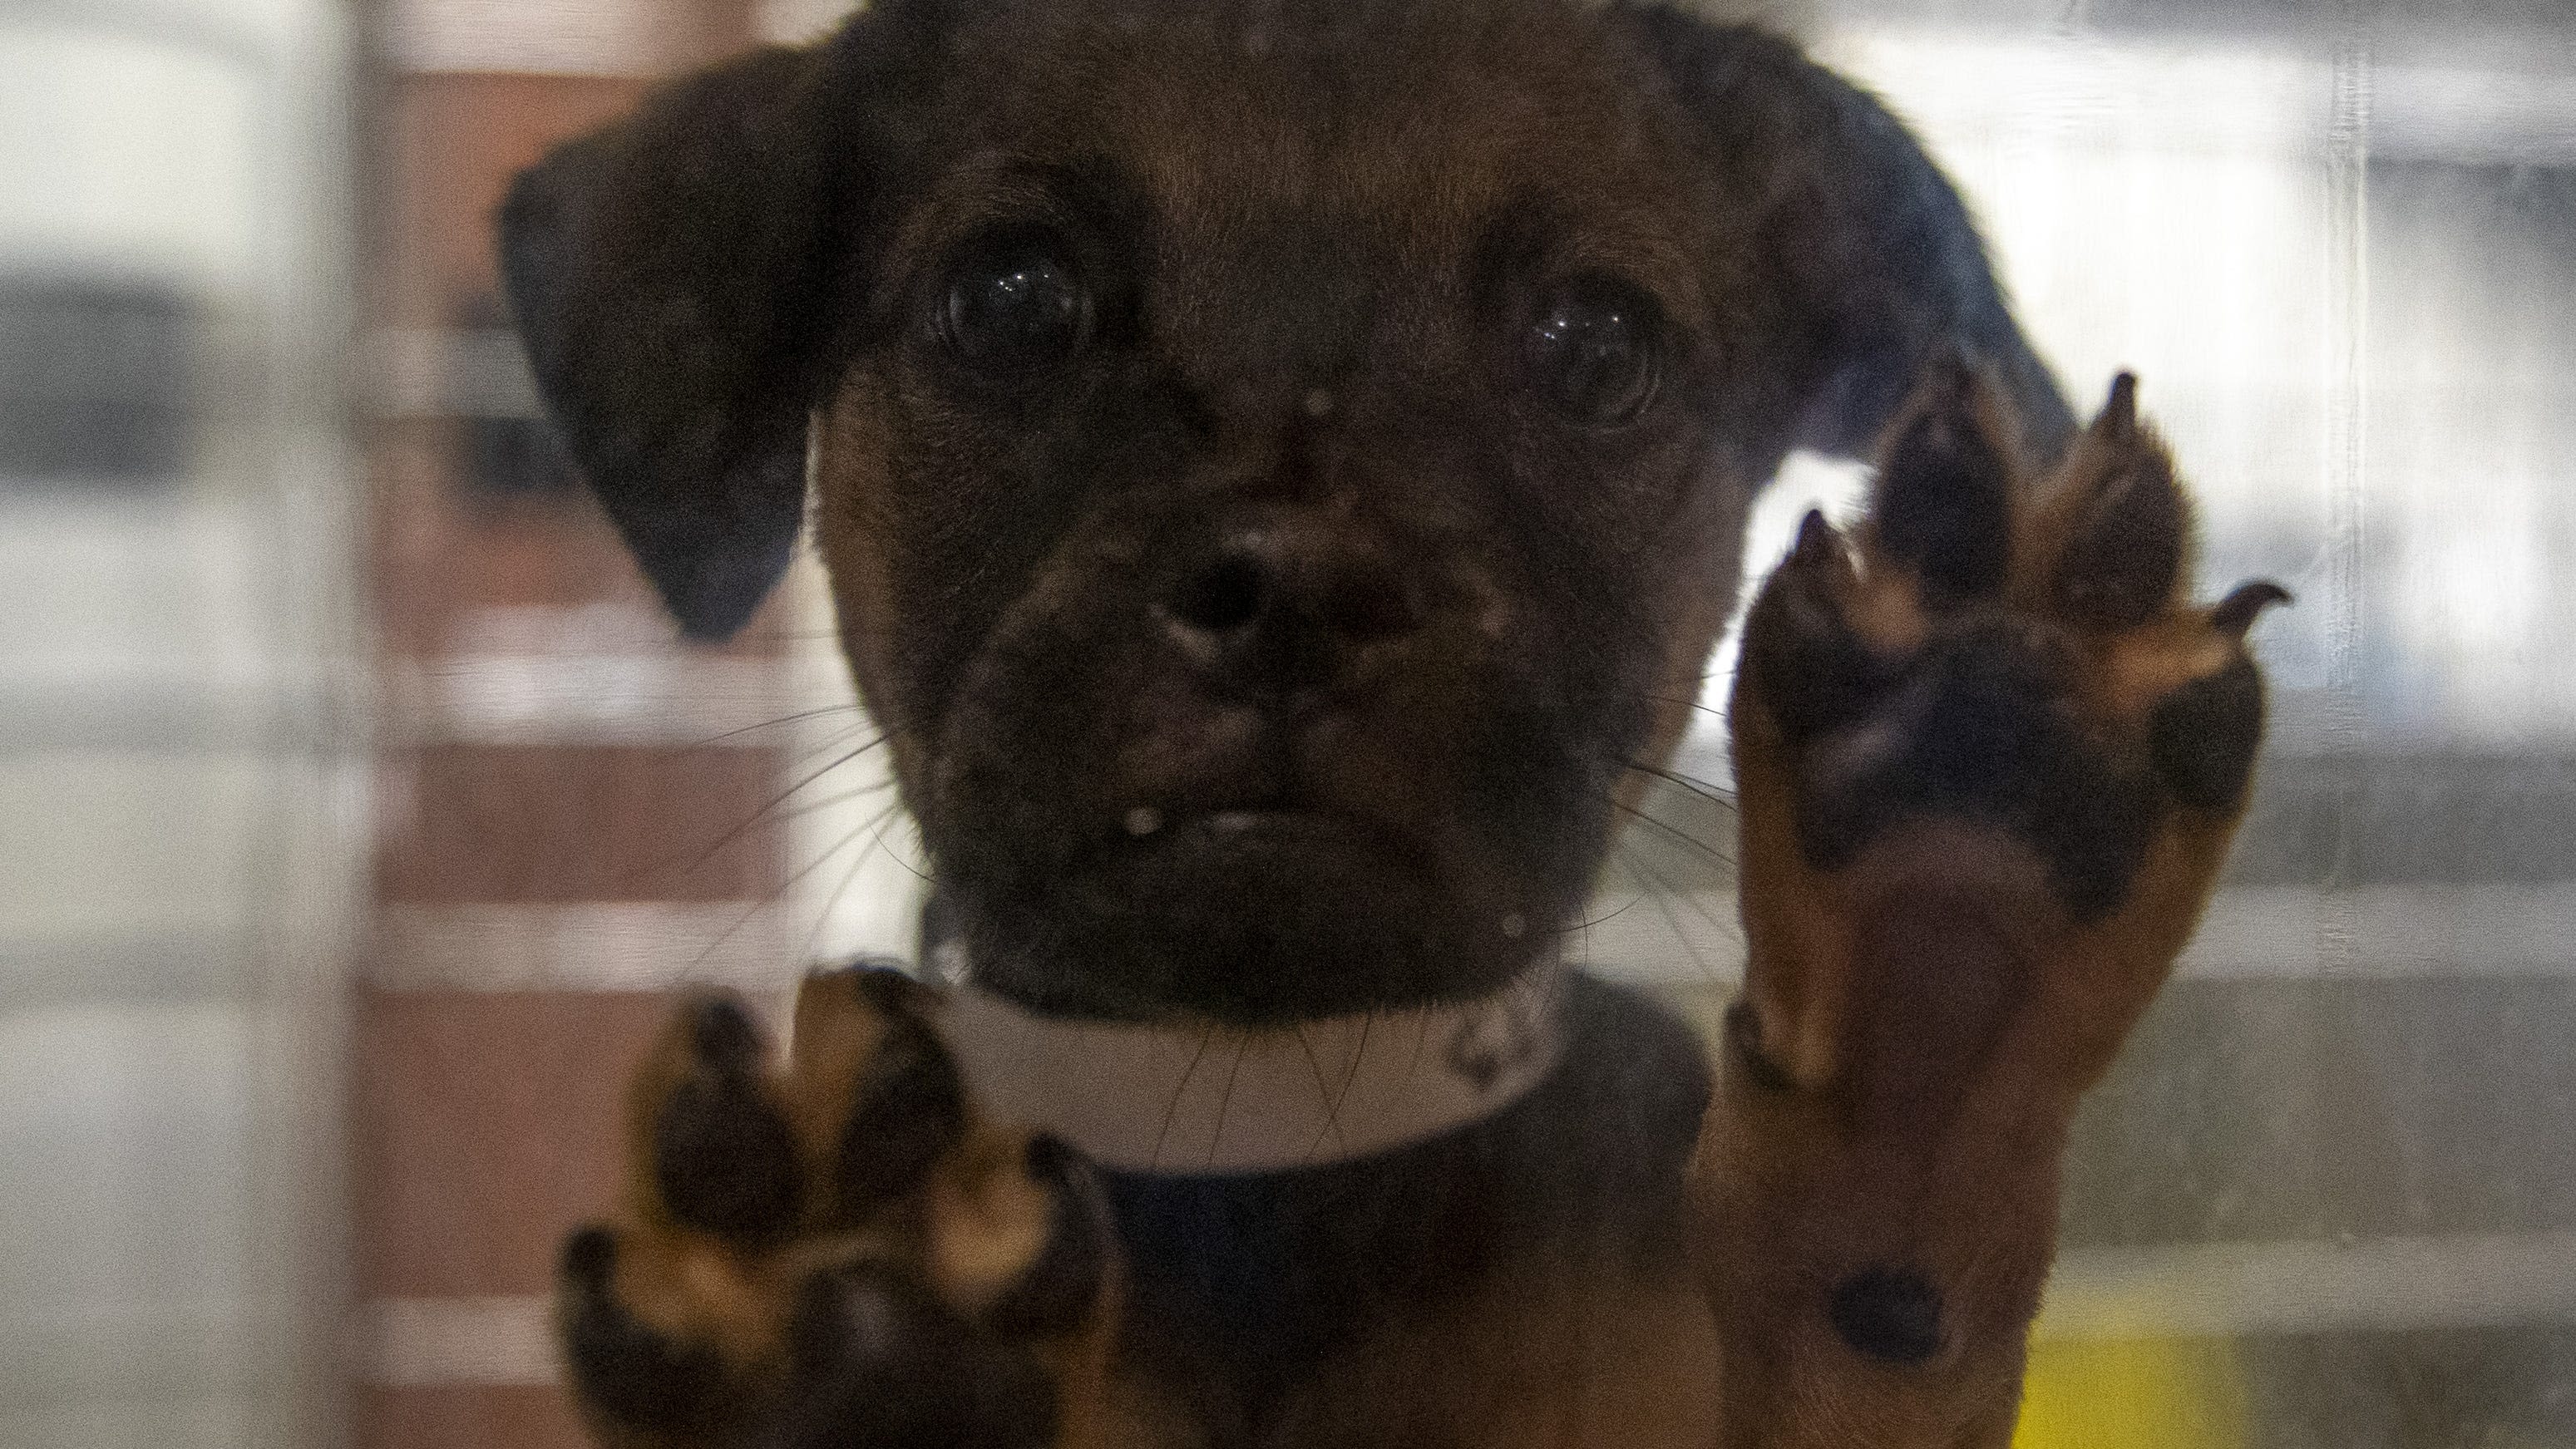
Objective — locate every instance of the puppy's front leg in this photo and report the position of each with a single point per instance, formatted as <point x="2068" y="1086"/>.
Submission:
<point x="1989" y="763"/>
<point x="838" y="1251"/>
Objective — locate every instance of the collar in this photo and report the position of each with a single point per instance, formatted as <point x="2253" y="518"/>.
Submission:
<point x="1200" y="1099"/>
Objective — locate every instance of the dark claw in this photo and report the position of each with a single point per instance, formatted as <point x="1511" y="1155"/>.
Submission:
<point x="2237" y="612"/>
<point x="2119" y="417"/>
<point x="1818" y="546"/>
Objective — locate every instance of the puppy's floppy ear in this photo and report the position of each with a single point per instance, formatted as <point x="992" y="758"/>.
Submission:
<point x="674" y="277"/>
<point x="1873" y="261"/>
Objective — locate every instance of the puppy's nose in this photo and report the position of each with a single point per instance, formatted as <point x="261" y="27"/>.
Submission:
<point x="1284" y="608"/>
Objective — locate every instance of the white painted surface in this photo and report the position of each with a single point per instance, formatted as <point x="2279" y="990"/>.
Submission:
<point x="547" y="37"/>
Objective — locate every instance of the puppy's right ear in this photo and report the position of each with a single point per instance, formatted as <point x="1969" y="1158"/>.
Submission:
<point x="673" y="277"/>
<point x="1865" y="249"/>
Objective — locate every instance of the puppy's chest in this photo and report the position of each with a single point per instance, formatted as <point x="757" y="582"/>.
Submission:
<point x="1383" y="1301"/>
<point x="1486" y="1334"/>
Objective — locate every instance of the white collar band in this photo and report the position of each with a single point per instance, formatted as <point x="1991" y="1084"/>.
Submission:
<point x="1205" y="1100"/>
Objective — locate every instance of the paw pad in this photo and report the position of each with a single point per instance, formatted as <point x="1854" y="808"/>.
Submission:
<point x="2007" y="650"/>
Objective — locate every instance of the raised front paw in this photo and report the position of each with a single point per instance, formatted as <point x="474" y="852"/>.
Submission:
<point x="835" y="1251"/>
<point x="1990" y="759"/>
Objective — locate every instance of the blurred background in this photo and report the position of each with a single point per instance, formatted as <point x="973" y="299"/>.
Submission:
<point x="357" y="812"/>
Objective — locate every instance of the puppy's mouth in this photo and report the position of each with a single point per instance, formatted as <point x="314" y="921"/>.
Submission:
<point x="1256" y="898"/>
<point x="1246" y="829"/>
<point x="1261" y="913"/>
<point x="1286" y="839"/>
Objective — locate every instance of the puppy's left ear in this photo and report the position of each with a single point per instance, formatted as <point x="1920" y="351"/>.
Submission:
<point x="676" y="277"/>
<point x="1867" y="263"/>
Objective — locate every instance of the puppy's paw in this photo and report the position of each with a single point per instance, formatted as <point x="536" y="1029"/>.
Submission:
<point x="1996" y="729"/>
<point x="1989" y="760"/>
<point x="835" y="1251"/>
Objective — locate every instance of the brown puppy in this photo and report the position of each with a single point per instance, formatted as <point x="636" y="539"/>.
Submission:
<point x="1282" y="467"/>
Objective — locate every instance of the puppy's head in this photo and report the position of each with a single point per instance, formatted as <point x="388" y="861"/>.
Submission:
<point x="1280" y="464"/>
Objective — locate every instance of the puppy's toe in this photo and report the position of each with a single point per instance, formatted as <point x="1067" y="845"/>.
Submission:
<point x="1008" y="1228"/>
<point x="641" y="1385"/>
<point x="723" y="1155"/>
<point x="877" y="1088"/>
<point x="907" y="1107"/>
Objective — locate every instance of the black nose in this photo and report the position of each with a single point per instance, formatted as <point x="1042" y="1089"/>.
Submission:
<point x="1286" y="607"/>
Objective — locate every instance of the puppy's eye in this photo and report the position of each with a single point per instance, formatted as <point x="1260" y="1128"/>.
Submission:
<point x="1595" y="351"/>
<point x="1014" y="305"/>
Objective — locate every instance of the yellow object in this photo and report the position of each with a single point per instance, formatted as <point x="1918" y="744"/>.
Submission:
<point x="2145" y="1393"/>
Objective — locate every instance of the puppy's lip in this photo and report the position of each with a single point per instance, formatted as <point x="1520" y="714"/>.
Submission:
<point x="1147" y="822"/>
<point x="1235" y="822"/>
<point x="1259" y="830"/>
